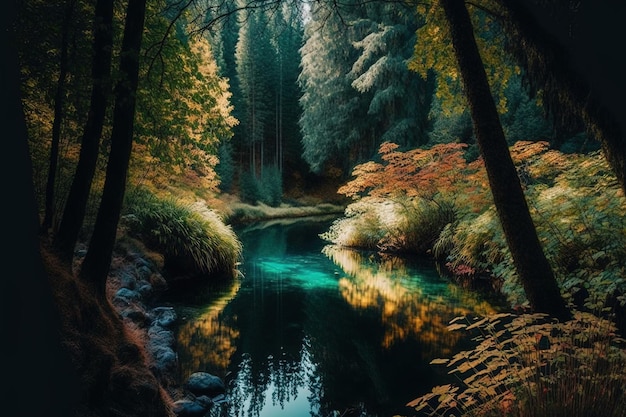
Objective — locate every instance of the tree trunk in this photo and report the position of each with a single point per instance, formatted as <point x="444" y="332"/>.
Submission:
<point x="75" y="207"/>
<point x="59" y="104"/>
<point x="96" y="264"/>
<point x="530" y="262"/>
<point x="29" y="316"/>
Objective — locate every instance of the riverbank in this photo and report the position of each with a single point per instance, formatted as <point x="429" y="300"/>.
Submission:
<point x="246" y="213"/>
<point x="124" y="350"/>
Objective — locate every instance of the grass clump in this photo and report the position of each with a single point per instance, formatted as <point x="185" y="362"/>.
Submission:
<point x="391" y="225"/>
<point x="193" y="241"/>
<point x="528" y="366"/>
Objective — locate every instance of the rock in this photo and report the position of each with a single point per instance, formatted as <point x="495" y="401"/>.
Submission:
<point x="220" y="399"/>
<point x="161" y="336"/>
<point x="165" y="359"/>
<point x="145" y="289"/>
<point x="158" y="282"/>
<point x="205" y="401"/>
<point x="203" y="383"/>
<point x="144" y="272"/>
<point x="189" y="408"/>
<point x="128" y="295"/>
<point x="136" y="316"/>
<point x="127" y="280"/>
<point x="141" y="262"/>
<point x="164" y="316"/>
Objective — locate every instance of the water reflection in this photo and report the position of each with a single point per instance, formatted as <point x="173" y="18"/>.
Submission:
<point x="314" y="329"/>
<point x="208" y="340"/>
<point x="411" y="304"/>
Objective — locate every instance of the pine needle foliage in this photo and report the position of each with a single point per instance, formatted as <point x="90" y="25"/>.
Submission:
<point x="178" y="232"/>
<point x="529" y="366"/>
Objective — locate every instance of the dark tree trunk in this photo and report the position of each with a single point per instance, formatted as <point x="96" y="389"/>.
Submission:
<point x="75" y="207"/>
<point x="29" y="317"/>
<point x="530" y="262"/>
<point x="59" y="105"/>
<point x="96" y="264"/>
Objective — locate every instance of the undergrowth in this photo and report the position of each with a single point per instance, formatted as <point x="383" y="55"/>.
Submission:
<point x="199" y="241"/>
<point x="530" y="366"/>
<point x="433" y="200"/>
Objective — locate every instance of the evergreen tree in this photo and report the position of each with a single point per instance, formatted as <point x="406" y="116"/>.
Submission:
<point x="255" y="69"/>
<point x="331" y="134"/>
<point x="355" y="79"/>
<point x="385" y="47"/>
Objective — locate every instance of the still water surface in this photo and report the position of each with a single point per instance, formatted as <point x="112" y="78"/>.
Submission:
<point x="313" y="330"/>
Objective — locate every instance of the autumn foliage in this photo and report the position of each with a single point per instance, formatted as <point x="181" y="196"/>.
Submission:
<point x="435" y="201"/>
<point x="421" y="173"/>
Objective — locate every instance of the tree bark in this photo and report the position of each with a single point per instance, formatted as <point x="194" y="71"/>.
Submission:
<point x="96" y="264"/>
<point x="59" y="115"/>
<point x="75" y="207"/>
<point x="530" y="262"/>
<point x="29" y="316"/>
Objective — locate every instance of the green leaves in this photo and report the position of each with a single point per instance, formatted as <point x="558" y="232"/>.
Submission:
<point x="184" y="111"/>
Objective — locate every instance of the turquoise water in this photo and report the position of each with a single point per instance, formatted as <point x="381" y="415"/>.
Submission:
<point x="315" y="330"/>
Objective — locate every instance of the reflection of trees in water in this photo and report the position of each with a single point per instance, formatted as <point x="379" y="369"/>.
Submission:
<point x="363" y="345"/>
<point x="283" y="377"/>
<point x="271" y="365"/>
<point x="409" y="304"/>
<point x="208" y="342"/>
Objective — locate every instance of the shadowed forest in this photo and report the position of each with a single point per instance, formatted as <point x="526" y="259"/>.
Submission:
<point x="486" y="136"/>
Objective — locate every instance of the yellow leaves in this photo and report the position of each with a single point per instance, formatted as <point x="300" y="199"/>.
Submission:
<point x="456" y="326"/>
<point x="433" y="51"/>
<point x="528" y="355"/>
<point x="524" y="150"/>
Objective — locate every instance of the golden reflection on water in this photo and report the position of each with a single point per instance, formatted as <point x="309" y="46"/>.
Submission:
<point x="409" y="306"/>
<point x="208" y="341"/>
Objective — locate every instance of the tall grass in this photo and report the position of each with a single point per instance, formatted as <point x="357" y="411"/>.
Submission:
<point x="528" y="366"/>
<point x="199" y="241"/>
<point x="392" y="225"/>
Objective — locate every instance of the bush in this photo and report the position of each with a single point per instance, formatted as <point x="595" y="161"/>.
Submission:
<point x="271" y="186"/>
<point x="530" y="367"/>
<point x="267" y="189"/>
<point x="249" y="187"/>
<point x="575" y="201"/>
<point x="361" y="228"/>
<point x="393" y="225"/>
<point x="203" y="244"/>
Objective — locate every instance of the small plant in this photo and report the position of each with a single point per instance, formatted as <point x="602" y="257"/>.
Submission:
<point x="271" y="186"/>
<point x="249" y="187"/>
<point x="266" y="188"/>
<point x="528" y="366"/>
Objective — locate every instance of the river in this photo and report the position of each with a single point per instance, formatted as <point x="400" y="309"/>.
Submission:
<point x="314" y="330"/>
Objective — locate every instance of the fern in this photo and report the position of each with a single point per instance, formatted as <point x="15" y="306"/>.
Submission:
<point x="527" y="366"/>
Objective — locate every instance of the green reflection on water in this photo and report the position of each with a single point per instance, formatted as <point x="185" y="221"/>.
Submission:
<point x="313" y="328"/>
